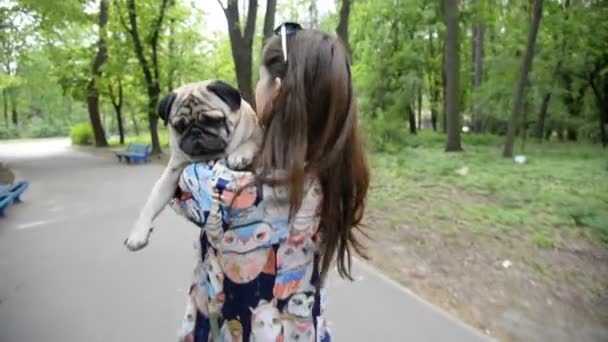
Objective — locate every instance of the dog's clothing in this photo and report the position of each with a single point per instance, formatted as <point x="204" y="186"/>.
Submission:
<point x="257" y="276"/>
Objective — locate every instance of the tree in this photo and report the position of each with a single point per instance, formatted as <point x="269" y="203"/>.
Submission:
<point x="271" y="8"/>
<point x="342" y="29"/>
<point x="433" y="77"/>
<point x="149" y="67"/>
<point x="478" y="34"/>
<point x="241" y="42"/>
<point x="13" y="42"/>
<point x="117" y="101"/>
<point x="451" y="72"/>
<point x="92" y="89"/>
<point x="523" y="79"/>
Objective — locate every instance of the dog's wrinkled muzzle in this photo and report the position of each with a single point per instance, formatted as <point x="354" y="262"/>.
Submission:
<point x="199" y="141"/>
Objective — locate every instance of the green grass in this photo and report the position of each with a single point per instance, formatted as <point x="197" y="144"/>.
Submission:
<point x="563" y="189"/>
<point x="163" y="136"/>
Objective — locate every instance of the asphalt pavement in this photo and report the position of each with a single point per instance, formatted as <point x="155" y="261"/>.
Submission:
<point x="66" y="276"/>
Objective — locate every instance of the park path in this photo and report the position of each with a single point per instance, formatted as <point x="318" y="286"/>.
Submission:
<point x="65" y="275"/>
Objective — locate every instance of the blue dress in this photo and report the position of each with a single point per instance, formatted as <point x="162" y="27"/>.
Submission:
<point x="256" y="277"/>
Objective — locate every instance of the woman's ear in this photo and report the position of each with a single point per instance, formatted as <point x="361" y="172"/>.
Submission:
<point x="276" y="87"/>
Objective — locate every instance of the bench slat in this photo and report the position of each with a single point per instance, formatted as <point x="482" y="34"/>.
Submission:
<point x="134" y="152"/>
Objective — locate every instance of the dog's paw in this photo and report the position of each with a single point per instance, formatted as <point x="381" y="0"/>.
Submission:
<point x="138" y="239"/>
<point x="239" y="161"/>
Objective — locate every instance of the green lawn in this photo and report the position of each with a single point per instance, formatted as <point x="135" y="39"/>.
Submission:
<point x="163" y="136"/>
<point x="562" y="190"/>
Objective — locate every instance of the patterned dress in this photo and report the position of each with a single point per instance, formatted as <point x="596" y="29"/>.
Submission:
<point x="257" y="276"/>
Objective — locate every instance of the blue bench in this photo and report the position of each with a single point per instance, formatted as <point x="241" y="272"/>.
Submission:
<point x="135" y="153"/>
<point x="11" y="193"/>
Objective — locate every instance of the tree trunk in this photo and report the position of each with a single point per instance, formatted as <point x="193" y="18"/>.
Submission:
<point x="117" y="102"/>
<point x="271" y="8"/>
<point x="433" y="87"/>
<point x="602" y="108"/>
<point x="444" y="86"/>
<point x="92" y="91"/>
<point x="478" y="34"/>
<point x="419" y="106"/>
<point x="342" y="28"/>
<point x="523" y="79"/>
<point x="68" y="110"/>
<point x="150" y="70"/>
<point x="411" y="116"/>
<point x="313" y="15"/>
<point x="5" y="105"/>
<point x="451" y="71"/>
<point x="171" y="53"/>
<point x="434" y="100"/>
<point x="134" y="122"/>
<point x="242" y="44"/>
<point x="571" y="134"/>
<point x="542" y="116"/>
<point x="14" y="112"/>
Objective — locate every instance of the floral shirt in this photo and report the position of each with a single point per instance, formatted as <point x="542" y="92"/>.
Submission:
<point x="257" y="276"/>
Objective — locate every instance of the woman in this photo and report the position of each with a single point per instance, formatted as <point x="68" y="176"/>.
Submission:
<point x="268" y="243"/>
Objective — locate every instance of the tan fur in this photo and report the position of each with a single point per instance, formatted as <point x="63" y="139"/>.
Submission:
<point x="193" y="102"/>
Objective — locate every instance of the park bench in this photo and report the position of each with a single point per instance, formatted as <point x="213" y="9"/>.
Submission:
<point x="11" y="193"/>
<point x="134" y="153"/>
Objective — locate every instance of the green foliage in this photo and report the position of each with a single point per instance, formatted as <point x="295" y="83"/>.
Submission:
<point x="39" y="128"/>
<point x="82" y="134"/>
<point x="163" y="136"/>
<point x="9" y="133"/>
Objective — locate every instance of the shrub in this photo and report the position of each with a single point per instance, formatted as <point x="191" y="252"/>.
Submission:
<point x="82" y="134"/>
<point x="481" y="139"/>
<point x="8" y="133"/>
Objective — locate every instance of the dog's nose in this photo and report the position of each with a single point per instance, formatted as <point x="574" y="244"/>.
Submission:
<point x="196" y="131"/>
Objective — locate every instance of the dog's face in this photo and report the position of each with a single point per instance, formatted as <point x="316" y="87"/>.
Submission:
<point x="204" y="117"/>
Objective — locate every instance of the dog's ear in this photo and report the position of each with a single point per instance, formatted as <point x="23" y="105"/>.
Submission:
<point x="230" y="95"/>
<point x="164" y="106"/>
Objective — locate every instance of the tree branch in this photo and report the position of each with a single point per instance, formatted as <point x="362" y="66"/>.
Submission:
<point x="250" y="25"/>
<point x="222" y="5"/>
<point x="155" y="35"/>
<point x="111" y="95"/>
<point x="122" y="20"/>
<point x="139" y="50"/>
<point x="271" y="7"/>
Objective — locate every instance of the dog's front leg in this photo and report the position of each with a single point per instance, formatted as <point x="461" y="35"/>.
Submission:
<point x="160" y="196"/>
<point x="243" y="155"/>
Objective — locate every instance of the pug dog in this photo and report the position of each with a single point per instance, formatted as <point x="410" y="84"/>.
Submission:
<point x="207" y="120"/>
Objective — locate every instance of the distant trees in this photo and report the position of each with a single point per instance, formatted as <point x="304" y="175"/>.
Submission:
<point x="417" y="65"/>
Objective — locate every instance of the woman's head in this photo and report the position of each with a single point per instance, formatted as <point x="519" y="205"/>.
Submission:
<point x="307" y="108"/>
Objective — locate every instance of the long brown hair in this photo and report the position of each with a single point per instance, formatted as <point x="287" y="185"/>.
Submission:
<point x="312" y="129"/>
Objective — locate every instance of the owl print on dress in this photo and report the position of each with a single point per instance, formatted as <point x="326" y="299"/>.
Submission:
<point x="265" y="323"/>
<point x="195" y="180"/>
<point x="245" y="251"/>
<point x="294" y="267"/>
<point x="196" y="199"/>
<point x="186" y="332"/>
<point x="298" y="330"/>
<point x="246" y="197"/>
<point x="198" y="290"/>
<point x="232" y="331"/>
<point x="301" y="304"/>
<point x="214" y="280"/>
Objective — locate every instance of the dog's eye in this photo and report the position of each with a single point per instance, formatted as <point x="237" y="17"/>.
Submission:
<point x="180" y="125"/>
<point x="211" y="120"/>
